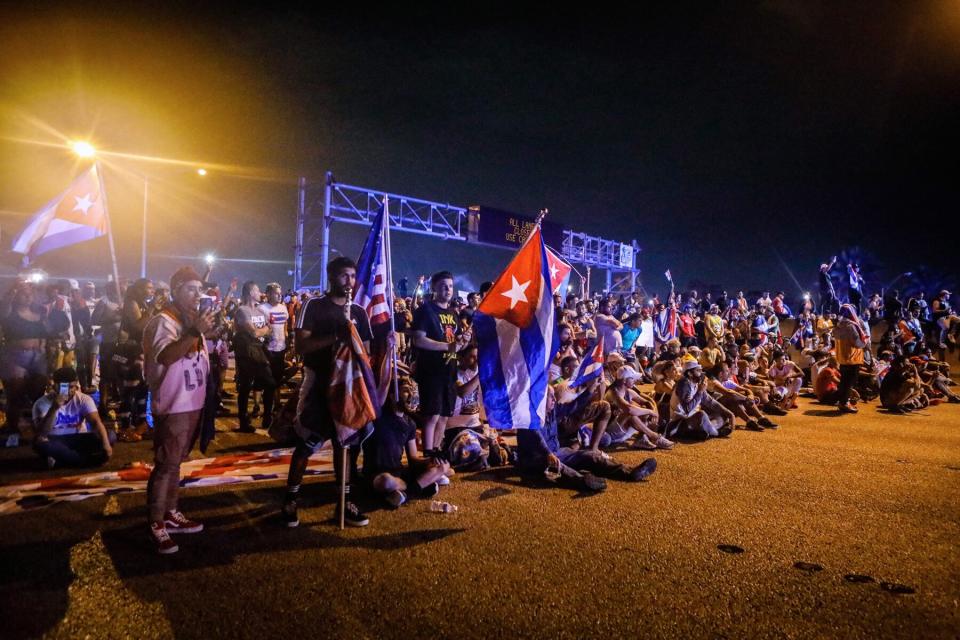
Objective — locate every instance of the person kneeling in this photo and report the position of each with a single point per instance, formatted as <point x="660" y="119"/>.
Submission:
<point x="394" y="434"/>
<point x="69" y="431"/>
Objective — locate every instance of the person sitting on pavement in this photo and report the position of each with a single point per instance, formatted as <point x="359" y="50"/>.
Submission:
<point x="630" y="415"/>
<point x="547" y="452"/>
<point x="68" y="430"/>
<point x="739" y="400"/>
<point x="693" y="412"/>
<point x="788" y="378"/>
<point x="902" y="389"/>
<point x="394" y="434"/>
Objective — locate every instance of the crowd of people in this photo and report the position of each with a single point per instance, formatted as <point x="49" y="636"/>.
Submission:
<point x="82" y="366"/>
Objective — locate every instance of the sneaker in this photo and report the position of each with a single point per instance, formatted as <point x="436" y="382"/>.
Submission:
<point x="289" y="513"/>
<point x="753" y="425"/>
<point x="395" y="499"/>
<point x="590" y="482"/>
<point x="663" y="443"/>
<point x="443" y="481"/>
<point x="176" y="522"/>
<point x="848" y="408"/>
<point x="643" y="470"/>
<point x="353" y="516"/>
<point x="160" y="537"/>
<point x="643" y="442"/>
<point x="767" y="423"/>
<point x="724" y="431"/>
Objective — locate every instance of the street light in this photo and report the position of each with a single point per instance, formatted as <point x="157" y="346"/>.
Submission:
<point x="201" y="171"/>
<point x="83" y="149"/>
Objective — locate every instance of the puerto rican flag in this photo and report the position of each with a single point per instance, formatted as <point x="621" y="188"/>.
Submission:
<point x="559" y="271"/>
<point x="76" y="215"/>
<point x="517" y="339"/>
<point x="591" y="368"/>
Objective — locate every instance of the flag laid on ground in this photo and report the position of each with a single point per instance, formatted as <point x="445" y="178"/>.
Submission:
<point x="352" y="390"/>
<point x="372" y="295"/>
<point x="516" y="339"/>
<point x="591" y="367"/>
<point x="262" y="466"/>
<point x="76" y="215"/>
<point x="559" y="271"/>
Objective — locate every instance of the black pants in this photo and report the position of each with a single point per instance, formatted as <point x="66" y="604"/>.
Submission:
<point x="305" y="448"/>
<point x="848" y="376"/>
<point x="254" y="375"/>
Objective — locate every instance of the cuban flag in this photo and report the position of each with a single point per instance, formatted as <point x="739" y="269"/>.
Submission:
<point x="559" y="271"/>
<point x="372" y="295"/>
<point x="666" y="324"/>
<point x="76" y="215"/>
<point x="591" y="368"/>
<point x="517" y="339"/>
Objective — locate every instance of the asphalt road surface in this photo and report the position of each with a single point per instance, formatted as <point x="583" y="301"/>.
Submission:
<point x="709" y="547"/>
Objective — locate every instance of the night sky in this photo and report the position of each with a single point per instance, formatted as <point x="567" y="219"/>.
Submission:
<point x="737" y="143"/>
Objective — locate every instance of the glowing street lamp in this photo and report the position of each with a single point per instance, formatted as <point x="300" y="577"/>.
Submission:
<point x="83" y="149"/>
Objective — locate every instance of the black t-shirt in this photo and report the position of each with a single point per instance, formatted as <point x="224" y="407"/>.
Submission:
<point x="826" y="284"/>
<point x="322" y="317"/>
<point x="440" y="325"/>
<point x="383" y="450"/>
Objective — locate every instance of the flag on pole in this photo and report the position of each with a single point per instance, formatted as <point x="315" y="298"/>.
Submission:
<point x="516" y="339"/>
<point x="591" y="367"/>
<point x="559" y="271"/>
<point x="669" y="276"/>
<point x="666" y="324"/>
<point x="76" y="215"/>
<point x="372" y="295"/>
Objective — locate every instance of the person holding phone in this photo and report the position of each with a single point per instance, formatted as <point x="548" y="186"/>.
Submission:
<point x="176" y="364"/>
<point x="69" y="431"/>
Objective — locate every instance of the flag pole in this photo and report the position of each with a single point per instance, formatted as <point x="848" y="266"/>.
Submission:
<point x="345" y="453"/>
<point x="113" y="251"/>
<point x="390" y="297"/>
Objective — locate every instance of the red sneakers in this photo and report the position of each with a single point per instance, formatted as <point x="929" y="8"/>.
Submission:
<point x="178" y="523"/>
<point x="165" y="545"/>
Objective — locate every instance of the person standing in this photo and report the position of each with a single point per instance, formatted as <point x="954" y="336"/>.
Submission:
<point x="176" y="365"/>
<point x="855" y="286"/>
<point x="436" y="343"/>
<point x="828" y="295"/>
<point x="277" y="317"/>
<point x="253" y="365"/>
<point x="322" y="326"/>
<point x="850" y="340"/>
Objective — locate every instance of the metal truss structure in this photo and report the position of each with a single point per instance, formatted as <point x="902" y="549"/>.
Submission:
<point x="318" y="208"/>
